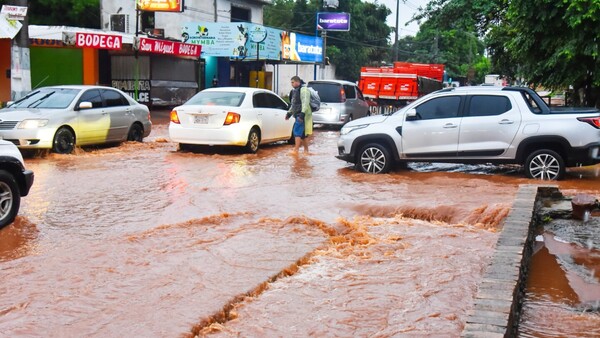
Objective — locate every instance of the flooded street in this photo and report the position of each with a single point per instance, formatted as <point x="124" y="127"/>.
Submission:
<point x="145" y="240"/>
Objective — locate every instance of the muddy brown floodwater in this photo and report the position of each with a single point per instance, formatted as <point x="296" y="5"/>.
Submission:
<point x="143" y="240"/>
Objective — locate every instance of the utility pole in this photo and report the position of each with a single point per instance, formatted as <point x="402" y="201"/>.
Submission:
<point x="20" y="66"/>
<point x="396" y="34"/>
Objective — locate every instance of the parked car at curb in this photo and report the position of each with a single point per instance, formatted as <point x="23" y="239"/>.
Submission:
<point x="15" y="182"/>
<point x="63" y="117"/>
<point x="234" y="116"/>
<point x="488" y="124"/>
<point x="341" y="102"/>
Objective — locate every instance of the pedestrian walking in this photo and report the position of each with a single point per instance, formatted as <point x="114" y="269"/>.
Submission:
<point x="300" y="110"/>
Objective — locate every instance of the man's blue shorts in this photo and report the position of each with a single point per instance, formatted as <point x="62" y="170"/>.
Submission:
<point x="298" y="129"/>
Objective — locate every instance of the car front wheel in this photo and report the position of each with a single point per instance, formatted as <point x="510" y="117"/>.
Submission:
<point x="545" y="164"/>
<point x="64" y="141"/>
<point x="10" y="198"/>
<point x="374" y="158"/>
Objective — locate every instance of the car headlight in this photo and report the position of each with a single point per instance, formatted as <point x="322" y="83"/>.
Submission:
<point x="345" y="130"/>
<point x="32" y="124"/>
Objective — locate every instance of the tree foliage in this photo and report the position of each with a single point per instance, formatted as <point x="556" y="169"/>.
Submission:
<point x="553" y="43"/>
<point x="78" y="13"/>
<point x="367" y="40"/>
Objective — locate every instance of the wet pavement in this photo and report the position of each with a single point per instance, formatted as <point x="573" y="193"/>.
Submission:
<point x="146" y="240"/>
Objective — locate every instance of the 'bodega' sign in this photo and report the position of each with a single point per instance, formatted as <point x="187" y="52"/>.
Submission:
<point x="98" y="41"/>
<point x="168" y="47"/>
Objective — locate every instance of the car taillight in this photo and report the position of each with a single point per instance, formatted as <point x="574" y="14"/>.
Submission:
<point x="231" y="118"/>
<point x="175" y="117"/>
<point x="593" y="121"/>
<point x="343" y="95"/>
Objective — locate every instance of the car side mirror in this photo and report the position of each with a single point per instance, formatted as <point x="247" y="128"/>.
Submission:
<point x="9" y="103"/>
<point x="85" y="105"/>
<point x="412" y="115"/>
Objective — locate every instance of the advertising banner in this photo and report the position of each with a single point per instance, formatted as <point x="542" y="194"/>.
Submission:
<point x="247" y="41"/>
<point x="167" y="47"/>
<point x="160" y="5"/>
<point x="333" y="21"/>
<point x="299" y="47"/>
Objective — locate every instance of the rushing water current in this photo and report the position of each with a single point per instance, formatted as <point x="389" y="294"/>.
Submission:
<point x="146" y="240"/>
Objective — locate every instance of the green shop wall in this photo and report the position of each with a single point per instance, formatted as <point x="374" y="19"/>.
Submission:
<point x="55" y="66"/>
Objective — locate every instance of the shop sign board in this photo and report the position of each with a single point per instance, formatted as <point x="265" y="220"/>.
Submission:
<point x="167" y="47"/>
<point x="14" y="12"/>
<point x="9" y="28"/>
<point x="93" y="40"/>
<point x="160" y="5"/>
<point x="329" y="21"/>
<point x="242" y="40"/>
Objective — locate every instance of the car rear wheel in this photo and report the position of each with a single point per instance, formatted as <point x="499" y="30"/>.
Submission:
<point x="253" y="141"/>
<point x="136" y="133"/>
<point x="374" y="158"/>
<point x="64" y="141"/>
<point x="545" y="164"/>
<point x="10" y="198"/>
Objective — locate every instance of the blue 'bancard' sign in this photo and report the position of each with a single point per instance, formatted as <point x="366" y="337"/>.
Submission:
<point x="333" y="21"/>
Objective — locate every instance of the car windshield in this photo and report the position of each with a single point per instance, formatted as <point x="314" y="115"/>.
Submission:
<point x="328" y="92"/>
<point x="48" y="98"/>
<point x="217" y="98"/>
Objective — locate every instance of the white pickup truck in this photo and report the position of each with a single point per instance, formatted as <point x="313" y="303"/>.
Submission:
<point x="485" y="124"/>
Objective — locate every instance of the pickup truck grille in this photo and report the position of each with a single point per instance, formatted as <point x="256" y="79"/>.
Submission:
<point x="7" y="125"/>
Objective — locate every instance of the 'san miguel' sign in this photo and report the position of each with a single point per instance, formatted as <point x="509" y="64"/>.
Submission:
<point x="99" y="41"/>
<point x="168" y="47"/>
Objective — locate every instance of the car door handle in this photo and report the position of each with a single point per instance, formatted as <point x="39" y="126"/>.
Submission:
<point x="450" y="125"/>
<point x="505" y="121"/>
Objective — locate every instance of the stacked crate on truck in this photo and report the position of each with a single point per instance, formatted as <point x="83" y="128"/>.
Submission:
<point x="393" y="87"/>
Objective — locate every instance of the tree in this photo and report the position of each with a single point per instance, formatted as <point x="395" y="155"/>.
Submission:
<point x="556" y="44"/>
<point x="79" y="13"/>
<point x="367" y="40"/>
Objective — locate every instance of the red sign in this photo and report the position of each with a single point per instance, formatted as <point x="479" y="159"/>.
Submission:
<point x="160" y="5"/>
<point x="99" y="41"/>
<point x="169" y="47"/>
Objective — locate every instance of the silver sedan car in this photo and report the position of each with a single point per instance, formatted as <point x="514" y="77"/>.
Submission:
<point x="62" y="117"/>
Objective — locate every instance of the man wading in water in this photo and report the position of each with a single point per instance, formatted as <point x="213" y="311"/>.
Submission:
<point x="300" y="109"/>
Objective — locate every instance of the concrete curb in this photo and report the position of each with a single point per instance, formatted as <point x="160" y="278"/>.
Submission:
<point x="497" y="305"/>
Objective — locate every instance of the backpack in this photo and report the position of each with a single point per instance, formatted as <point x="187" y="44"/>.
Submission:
<point x="315" y="100"/>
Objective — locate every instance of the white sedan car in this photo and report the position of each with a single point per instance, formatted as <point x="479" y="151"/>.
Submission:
<point x="61" y="117"/>
<point x="235" y="116"/>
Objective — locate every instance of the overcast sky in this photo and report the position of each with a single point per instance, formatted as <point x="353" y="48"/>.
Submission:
<point x="407" y="9"/>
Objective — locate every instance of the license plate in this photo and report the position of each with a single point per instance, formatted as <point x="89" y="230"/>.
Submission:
<point x="201" y="119"/>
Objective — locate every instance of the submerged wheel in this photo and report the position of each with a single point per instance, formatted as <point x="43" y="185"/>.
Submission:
<point x="64" y="141"/>
<point x="136" y="133"/>
<point x="10" y="198"/>
<point x="253" y="141"/>
<point x="545" y="164"/>
<point x="374" y="158"/>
